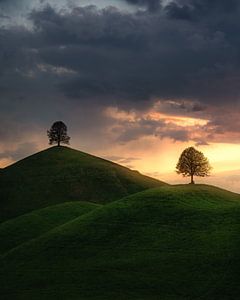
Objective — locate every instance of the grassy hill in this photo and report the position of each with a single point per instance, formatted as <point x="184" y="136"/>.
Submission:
<point x="24" y="228"/>
<point x="169" y="243"/>
<point x="61" y="174"/>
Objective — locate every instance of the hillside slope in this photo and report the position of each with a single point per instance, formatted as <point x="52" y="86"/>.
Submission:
<point x="61" y="174"/>
<point x="179" y="242"/>
<point x="24" y="228"/>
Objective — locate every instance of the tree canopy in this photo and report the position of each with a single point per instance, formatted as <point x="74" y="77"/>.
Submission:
<point x="58" y="134"/>
<point x="193" y="163"/>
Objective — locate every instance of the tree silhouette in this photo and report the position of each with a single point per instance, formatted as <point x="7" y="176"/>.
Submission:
<point x="193" y="163"/>
<point x="58" y="134"/>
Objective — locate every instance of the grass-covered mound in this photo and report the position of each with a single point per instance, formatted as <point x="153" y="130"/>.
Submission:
<point x="171" y="243"/>
<point x="24" y="228"/>
<point x="61" y="174"/>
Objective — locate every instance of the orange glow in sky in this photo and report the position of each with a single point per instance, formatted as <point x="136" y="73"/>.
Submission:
<point x="151" y="154"/>
<point x="178" y="120"/>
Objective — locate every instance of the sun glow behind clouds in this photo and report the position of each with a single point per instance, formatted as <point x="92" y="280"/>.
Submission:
<point x="133" y="116"/>
<point x="158" y="153"/>
<point x="154" y="136"/>
<point x="159" y="122"/>
<point x="178" y="120"/>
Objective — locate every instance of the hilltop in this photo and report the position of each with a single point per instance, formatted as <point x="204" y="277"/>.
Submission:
<point x="61" y="174"/>
<point x="176" y="242"/>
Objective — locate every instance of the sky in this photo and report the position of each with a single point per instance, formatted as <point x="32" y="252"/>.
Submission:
<point x="135" y="81"/>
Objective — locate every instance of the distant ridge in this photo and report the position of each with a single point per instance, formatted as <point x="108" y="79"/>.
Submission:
<point x="61" y="174"/>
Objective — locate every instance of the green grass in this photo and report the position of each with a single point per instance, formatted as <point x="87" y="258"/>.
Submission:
<point x="169" y="243"/>
<point x="24" y="228"/>
<point x="61" y="174"/>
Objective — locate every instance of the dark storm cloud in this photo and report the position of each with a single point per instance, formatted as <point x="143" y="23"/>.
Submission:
<point x="187" y="50"/>
<point x="9" y="5"/>
<point x="152" y="5"/>
<point x="138" y="56"/>
<point x="193" y="9"/>
<point x="148" y="127"/>
<point x="177" y="135"/>
<point x="2" y="16"/>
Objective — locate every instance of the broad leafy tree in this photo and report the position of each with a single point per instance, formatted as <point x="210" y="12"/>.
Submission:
<point x="193" y="163"/>
<point x="58" y="134"/>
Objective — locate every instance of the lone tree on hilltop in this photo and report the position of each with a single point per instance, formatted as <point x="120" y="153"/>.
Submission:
<point x="58" y="134"/>
<point x="193" y="163"/>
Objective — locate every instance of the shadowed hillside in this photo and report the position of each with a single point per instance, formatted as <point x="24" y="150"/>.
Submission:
<point x="26" y="227"/>
<point x="179" y="242"/>
<point x="61" y="174"/>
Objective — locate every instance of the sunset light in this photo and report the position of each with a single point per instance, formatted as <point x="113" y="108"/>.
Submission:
<point x="119" y="149"/>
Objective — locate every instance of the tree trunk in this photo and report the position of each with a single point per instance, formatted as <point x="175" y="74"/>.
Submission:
<point x="192" y="181"/>
<point x="58" y="143"/>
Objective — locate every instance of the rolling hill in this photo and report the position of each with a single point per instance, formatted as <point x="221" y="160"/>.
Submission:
<point x="26" y="227"/>
<point x="168" y="243"/>
<point x="61" y="174"/>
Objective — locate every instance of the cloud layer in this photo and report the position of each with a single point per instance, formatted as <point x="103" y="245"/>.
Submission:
<point x="184" y="55"/>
